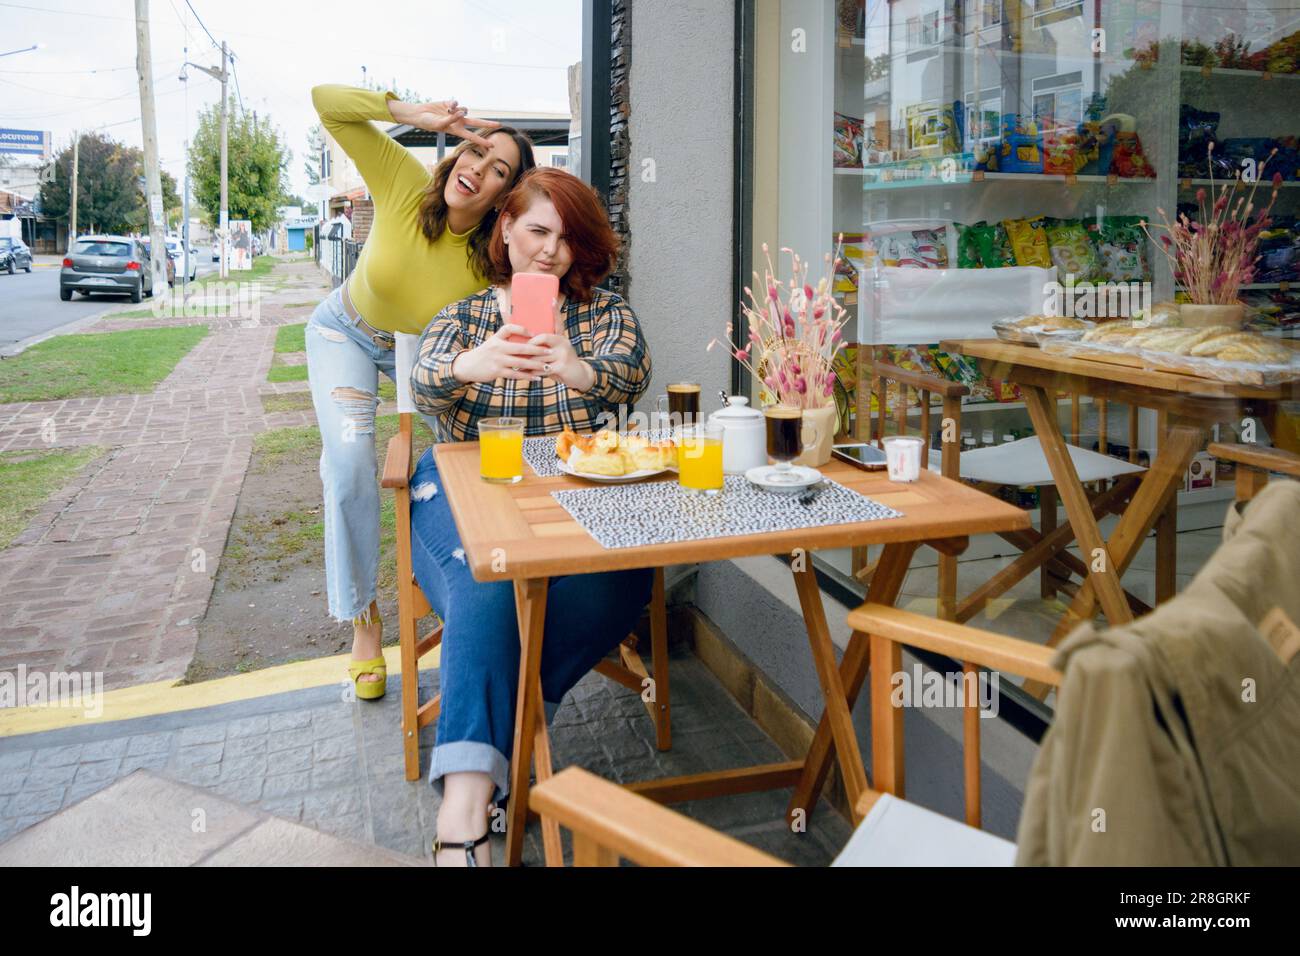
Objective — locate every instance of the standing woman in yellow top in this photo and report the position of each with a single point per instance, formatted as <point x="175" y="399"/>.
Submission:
<point x="427" y="248"/>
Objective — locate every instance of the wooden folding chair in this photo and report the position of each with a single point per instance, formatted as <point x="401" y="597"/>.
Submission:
<point x="1254" y="462"/>
<point x="609" y="822"/>
<point x="1044" y="549"/>
<point x="412" y="605"/>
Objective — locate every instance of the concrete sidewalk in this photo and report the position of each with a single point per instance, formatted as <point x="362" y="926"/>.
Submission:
<point x="114" y="571"/>
<point x="311" y="757"/>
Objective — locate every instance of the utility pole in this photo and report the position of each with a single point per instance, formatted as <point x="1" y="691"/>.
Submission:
<point x="76" y="155"/>
<point x="185" y="220"/>
<point x="225" y="181"/>
<point x="223" y="218"/>
<point x="148" y="122"/>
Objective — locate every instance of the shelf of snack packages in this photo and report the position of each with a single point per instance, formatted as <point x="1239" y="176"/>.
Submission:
<point x="1103" y="150"/>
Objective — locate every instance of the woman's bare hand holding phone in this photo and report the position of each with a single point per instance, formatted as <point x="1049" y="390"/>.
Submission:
<point x="498" y="358"/>
<point x="561" y="362"/>
<point x="445" y="116"/>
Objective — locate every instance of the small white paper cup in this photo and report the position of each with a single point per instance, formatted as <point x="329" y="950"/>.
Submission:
<point x="903" y="457"/>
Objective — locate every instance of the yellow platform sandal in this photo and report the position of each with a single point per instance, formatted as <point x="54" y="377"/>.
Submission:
<point x="369" y="689"/>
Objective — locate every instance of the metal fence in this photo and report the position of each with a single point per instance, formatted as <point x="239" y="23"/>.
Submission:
<point x="337" y="256"/>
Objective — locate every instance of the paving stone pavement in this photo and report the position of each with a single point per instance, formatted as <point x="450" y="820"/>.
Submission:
<point x="337" y="766"/>
<point x="115" y="569"/>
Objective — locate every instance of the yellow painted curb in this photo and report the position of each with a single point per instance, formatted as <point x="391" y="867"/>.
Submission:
<point x="166" y="697"/>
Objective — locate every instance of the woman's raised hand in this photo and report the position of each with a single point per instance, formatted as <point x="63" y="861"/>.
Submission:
<point x="498" y="358"/>
<point x="442" y="116"/>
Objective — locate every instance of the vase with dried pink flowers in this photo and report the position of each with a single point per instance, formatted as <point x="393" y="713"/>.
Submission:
<point x="1214" y="256"/>
<point x="795" y="332"/>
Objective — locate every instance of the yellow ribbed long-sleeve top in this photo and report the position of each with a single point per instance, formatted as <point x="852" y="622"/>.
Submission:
<point x="401" y="279"/>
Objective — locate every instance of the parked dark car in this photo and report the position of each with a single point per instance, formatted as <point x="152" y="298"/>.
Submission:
<point x="114" y="264"/>
<point x="171" y="261"/>
<point x="14" y="255"/>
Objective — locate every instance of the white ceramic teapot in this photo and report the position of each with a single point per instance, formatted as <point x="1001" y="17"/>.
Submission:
<point x="744" y="436"/>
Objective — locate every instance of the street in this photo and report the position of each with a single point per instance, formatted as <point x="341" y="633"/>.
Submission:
<point x="30" y="304"/>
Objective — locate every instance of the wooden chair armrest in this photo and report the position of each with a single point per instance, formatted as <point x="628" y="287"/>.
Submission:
<point x="634" y="827"/>
<point x="397" y="462"/>
<point x="969" y="644"/>
<point x="921" y="380"/>
<point x="1264" y="457"/>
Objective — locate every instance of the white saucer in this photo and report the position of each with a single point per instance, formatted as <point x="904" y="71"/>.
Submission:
<point x="801" y="478"/>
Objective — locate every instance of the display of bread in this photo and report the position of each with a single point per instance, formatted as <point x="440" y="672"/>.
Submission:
<point x="1049" y="322"/>
<point x="611" y="455"/>
<point x="1221" y="342"/>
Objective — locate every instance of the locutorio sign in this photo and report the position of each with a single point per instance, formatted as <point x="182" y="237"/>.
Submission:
<point x="27" y="142"/>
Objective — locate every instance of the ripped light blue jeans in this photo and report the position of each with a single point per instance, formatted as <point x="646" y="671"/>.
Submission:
<point x="343" y="367"/>
<point x="587" y="615"/>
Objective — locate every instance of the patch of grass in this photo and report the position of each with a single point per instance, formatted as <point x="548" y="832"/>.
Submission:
<point x="294" y="531"/>
<point x="300" y="305"/>
<point x="29" y="477"/>
<point x="133" y="314"/>
<point x="276" y="446"/>
<point x="262" y="266"/>
<point x="287" y="534"/>
<point x="107" y="363"/>
<point x="291" y="338"/>
<point x="387" y="390"/>
<point x="288" y="402"/>
<point x="287" y="373"/>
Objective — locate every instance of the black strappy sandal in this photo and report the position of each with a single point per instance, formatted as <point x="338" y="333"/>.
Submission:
<point x="467" y="845"/>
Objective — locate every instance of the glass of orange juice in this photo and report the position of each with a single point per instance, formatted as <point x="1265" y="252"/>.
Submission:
<point x="501" y="450"/>
<point x="699" y="458"/>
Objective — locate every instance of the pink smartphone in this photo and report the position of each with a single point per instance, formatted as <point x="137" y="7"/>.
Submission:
<point x="532" y="303"/>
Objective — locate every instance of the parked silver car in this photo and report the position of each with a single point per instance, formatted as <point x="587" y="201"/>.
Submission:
<point x="114" y="264"/>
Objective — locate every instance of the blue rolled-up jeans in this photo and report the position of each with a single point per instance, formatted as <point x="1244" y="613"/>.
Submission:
<point x="343" y="367"/>
<point x="587" y="615"/>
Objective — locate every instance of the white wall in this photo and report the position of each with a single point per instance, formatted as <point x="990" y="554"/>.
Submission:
<point x="681" y="249"/>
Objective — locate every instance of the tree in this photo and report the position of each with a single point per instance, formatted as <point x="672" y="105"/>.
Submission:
<point x="109" y="198"/>
<point x="257" y="164"/>
<point x="315" y="143"/>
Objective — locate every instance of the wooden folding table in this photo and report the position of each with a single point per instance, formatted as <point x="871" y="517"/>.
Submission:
<point x="521" y="534"/>
<point x="1188" y="407"/>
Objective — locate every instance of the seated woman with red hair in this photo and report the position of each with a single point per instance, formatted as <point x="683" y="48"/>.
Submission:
<point x="467" y="370"/>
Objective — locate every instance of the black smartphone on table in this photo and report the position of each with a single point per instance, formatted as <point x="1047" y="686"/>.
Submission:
<point x="860" y="455"/>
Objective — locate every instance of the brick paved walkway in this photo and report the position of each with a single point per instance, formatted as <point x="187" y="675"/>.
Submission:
<point x="109" y="575"/>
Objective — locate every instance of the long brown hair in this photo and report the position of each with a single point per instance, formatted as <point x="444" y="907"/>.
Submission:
<point x="434" y="211"/>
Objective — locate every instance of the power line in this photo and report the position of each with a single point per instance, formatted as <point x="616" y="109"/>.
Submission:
<point x="100" y="69"/>
<point x="234" y="70"/>
<point x="184" y="25"/>
<point x="26" y="117"/>
<point x="202" y="24"/>
<point x="70" y="96"/>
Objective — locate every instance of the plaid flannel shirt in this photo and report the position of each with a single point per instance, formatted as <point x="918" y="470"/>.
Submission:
<point x="604" y="332"/>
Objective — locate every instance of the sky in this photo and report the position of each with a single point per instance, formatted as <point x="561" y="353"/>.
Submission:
<point x="489" y="54"/>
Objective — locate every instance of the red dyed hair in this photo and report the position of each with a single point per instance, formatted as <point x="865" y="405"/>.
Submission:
<point x="592" y="242"/>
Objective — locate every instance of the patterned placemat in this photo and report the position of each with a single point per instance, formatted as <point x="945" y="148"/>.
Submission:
<point x="539" y="452"/>
<point x="659" y="512"/>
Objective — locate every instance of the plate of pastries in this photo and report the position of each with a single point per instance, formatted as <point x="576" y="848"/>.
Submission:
<point x="608" y="456"/>
<point x="1030" y="329"/>
<point x="1220" y="342"/>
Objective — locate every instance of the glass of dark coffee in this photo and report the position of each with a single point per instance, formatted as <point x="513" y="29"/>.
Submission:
<point x="785" y="440"/>
<point x="683" y="400"/>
